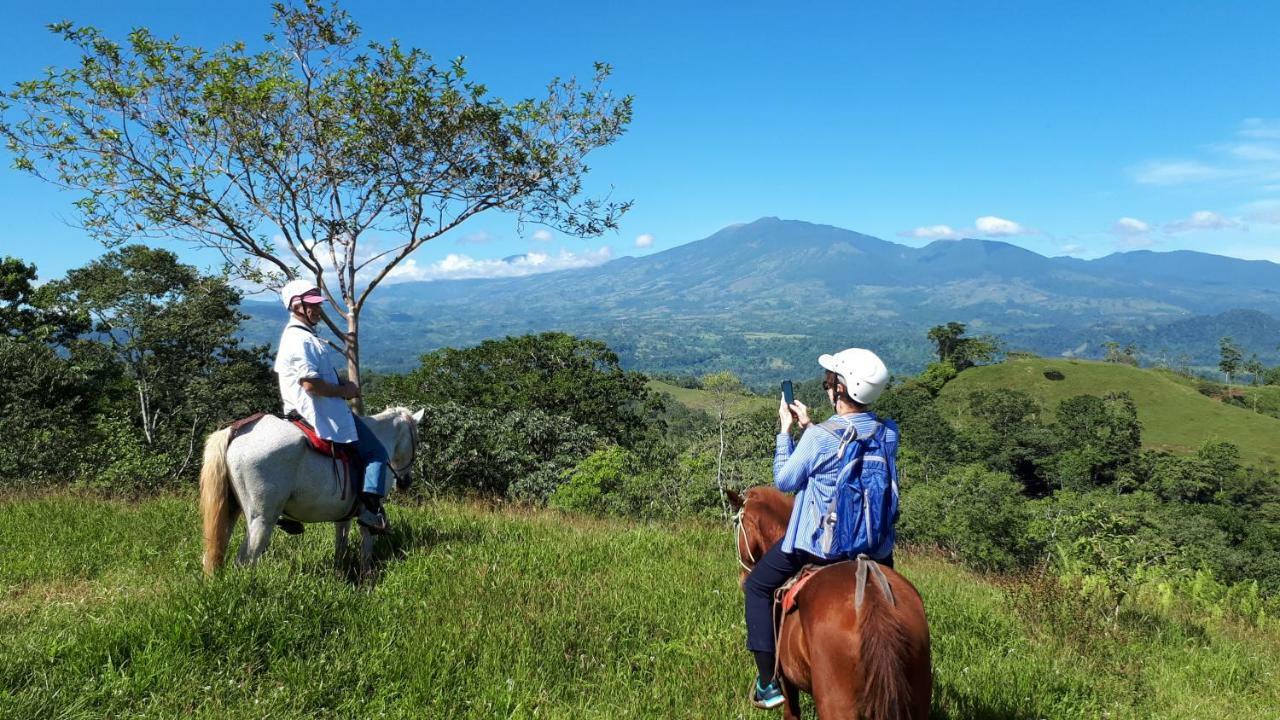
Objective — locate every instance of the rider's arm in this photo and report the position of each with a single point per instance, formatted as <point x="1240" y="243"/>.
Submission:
<point x="320" y="388"/>
<point x="792" y="467"/>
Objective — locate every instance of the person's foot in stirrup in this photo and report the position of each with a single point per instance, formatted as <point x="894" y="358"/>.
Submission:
<point x="371" y="514"/>
<point x="768" y="696"/>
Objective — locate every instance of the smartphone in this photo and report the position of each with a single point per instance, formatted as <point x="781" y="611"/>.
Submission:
<point x="788" y="393"/>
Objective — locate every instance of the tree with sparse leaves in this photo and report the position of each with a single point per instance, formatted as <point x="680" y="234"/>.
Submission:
<point x="726" y="391"/>
<point x="1231" y="357"/>
<point x="289" y="160"/>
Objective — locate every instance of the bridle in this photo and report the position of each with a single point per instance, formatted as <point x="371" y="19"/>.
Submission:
<point x="401" y="483"/>
<point x="740" y="539"/>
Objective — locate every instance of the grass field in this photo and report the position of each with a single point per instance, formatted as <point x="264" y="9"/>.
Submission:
<point x="1174" y="415"/>
<point x="479" y="614"/>
<point x="695" y="399"/>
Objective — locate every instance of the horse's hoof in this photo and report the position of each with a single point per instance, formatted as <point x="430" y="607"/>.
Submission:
<point x="290" y="526"/>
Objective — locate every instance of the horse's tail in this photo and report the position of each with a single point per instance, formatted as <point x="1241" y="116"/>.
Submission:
<point x="883" y="647"/>
<point x="218" y="506"/>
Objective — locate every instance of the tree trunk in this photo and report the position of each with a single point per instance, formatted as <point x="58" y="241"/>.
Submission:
<point x="352" y="351"/>
<point x="724" y="501"/>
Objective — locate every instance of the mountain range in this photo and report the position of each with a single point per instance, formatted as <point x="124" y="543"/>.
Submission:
<point x="764" y="298"/>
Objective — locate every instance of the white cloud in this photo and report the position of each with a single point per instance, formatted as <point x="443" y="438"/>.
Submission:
<point x="644" y="241"/>
<point x="1252" y="155"/>
<point x="1176" y="172"/>
<point x="1201" y="220"/>
<point x="1263" y="211"/>
<point x="1262" y="128"/>
<point x="482" y="237"/>
<point x="1073" y="249"/>
<point x="1260" y="152"/>
<point x="993" y="226"/>
<point x="931" y="232"/>
<point x="457" y="267"/>
<point x="1130" y="226"/>
<point x="543" y="236"/>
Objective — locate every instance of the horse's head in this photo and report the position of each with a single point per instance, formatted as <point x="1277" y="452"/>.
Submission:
<point x="760" y="520"/>
<point x="404" y="444"/>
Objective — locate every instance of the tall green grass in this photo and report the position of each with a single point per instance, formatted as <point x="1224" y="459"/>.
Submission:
<point x="480" y="614"/>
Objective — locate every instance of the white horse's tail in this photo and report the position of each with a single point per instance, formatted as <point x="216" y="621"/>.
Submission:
<point x="218" y="507"/>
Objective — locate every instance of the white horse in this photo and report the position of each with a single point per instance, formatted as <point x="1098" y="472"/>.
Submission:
<point x="270" y="470"/>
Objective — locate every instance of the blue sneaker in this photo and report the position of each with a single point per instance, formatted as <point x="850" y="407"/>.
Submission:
<point x="767" y="697"/>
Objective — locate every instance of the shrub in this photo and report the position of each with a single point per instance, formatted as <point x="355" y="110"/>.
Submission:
<point x="977" y="514"/>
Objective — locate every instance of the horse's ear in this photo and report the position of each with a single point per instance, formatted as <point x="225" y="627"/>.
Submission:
<point x="735" y="500"/>
<point x="417" y="417"/>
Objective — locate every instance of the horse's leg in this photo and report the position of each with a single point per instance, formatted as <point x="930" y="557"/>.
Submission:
<point x="366" y="553"/>
<point x="831" y="639"/>
<point x="341" y="530"/>
<point x="791" y="709"/>
<point x="256" y="538"/>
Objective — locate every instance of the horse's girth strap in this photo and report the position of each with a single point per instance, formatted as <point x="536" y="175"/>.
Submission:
<point x="868" y="566"/>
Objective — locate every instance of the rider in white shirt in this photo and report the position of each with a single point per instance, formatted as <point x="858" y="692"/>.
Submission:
<point x="310" y="386"/>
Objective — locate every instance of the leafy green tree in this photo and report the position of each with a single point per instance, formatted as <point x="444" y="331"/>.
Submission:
<point x="1007" y="434"/>
<point x="1112" y="351"/>
<point x="977" y="514"/>
<point x="22" y="311"/>
<point x="320" y="141"/>
<point x="171" y="334"/>
<point x="1100" y="437"/>
<point x="959" y="351"/>
<point x="45" y="406"/>
<point x="520" y="453"/>
<point x="1230" y="358"/>
<point x="1255" y="368"/>
<point x="553" y="373"/>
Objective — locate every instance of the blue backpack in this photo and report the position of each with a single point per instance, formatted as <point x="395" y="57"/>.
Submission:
<point x="860" y="517"/>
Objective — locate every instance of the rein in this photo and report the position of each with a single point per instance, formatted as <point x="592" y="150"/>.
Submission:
<point x="740" y="539"/>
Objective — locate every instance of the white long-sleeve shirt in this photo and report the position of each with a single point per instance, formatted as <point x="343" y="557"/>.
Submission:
<point x="301" y="355"/>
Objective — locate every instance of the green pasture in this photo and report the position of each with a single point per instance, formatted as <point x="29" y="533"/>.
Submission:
<point x="494" y="614"/>
<point x="704" y="401"/>
<point x="1174" y="416"/>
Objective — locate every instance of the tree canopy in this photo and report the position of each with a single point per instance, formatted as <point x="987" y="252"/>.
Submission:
<point x="320" y="156"/>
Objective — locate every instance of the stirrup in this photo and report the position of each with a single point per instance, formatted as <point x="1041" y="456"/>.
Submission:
<point x="375" y="522"/>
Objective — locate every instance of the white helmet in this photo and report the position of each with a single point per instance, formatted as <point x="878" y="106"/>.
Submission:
<point x="303" y="290"/>
<point x="862" y="372"/>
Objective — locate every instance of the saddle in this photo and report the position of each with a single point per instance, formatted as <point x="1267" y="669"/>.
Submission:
<point x="347" y="467"/>
<point x="785" y="597"/>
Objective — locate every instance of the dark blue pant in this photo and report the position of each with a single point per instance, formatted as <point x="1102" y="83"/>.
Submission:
<point x="374" y="458"/>
<point x="771" y="572"/>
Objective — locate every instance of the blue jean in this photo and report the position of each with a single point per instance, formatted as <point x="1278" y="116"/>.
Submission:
<point x="374" y="458"/>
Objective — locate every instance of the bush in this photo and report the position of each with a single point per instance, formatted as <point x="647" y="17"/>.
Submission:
<point x="977" y="514"/>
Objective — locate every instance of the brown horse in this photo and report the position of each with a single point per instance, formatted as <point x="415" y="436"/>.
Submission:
<point x="858" y="660"/>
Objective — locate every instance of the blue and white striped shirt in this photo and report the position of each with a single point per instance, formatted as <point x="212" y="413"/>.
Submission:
<point x="810" y="469"/>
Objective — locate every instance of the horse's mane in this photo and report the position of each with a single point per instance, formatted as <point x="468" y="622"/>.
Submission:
<point x="392" y="412"/>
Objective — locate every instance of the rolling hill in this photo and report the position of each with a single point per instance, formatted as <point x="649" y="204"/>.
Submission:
<point x="765" y="298"/>
<point x="1174" y="416"/>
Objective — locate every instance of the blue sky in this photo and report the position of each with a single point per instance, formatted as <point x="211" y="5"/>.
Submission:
<point x="1067" y="128"/>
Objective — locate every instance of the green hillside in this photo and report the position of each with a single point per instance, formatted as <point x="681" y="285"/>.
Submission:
<point x="702" y="400"/>
<point x="1174" y="416"/>
<point x="482" y="614"/>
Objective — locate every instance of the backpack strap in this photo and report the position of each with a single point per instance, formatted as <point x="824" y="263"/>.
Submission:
<point x="845" y="434"/>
